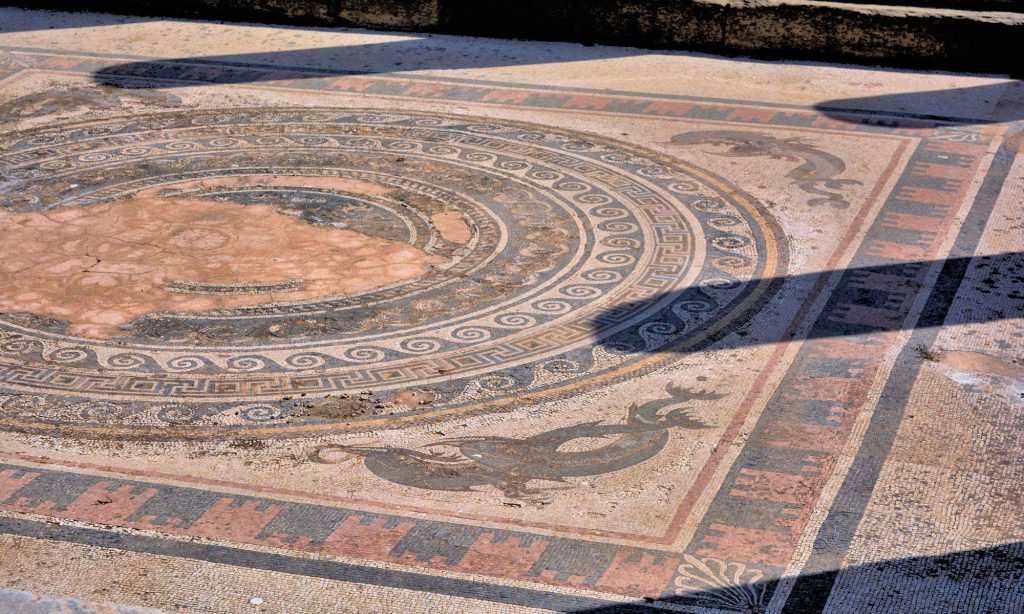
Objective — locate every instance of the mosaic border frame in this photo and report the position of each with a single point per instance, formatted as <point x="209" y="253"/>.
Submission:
<point x="919" y="209"/>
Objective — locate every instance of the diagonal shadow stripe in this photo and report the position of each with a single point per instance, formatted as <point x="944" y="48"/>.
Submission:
<point x="409" y="54"/>
<point x="1001" y="274"/>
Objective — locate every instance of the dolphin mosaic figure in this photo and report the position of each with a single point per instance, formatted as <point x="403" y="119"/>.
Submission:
<point x="817" y="175"/>
<point x="508" y="464"/>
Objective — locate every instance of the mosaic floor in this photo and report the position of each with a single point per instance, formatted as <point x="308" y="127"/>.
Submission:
<point x="298" y="320"/>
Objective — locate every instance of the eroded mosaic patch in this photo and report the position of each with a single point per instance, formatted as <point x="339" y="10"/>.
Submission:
<point x="101" y="266"/>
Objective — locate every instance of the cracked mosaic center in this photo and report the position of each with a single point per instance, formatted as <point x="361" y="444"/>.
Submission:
<point x="207" y="272"/>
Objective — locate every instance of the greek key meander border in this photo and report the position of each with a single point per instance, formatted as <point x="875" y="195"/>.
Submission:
<point x="909" y="240"/>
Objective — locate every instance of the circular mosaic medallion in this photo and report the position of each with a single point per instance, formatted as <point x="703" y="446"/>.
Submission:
<point x="296" y="270"/>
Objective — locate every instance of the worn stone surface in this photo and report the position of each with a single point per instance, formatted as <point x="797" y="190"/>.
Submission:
<point x="309" y="320"/>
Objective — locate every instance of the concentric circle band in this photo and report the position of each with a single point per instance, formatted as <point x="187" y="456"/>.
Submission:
<point x="254" y="257"/>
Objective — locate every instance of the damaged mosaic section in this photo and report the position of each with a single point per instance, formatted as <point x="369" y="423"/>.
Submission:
<point x="102" y="266"/>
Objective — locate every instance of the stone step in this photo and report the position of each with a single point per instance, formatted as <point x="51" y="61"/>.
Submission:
<point x="971" y="35"/>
